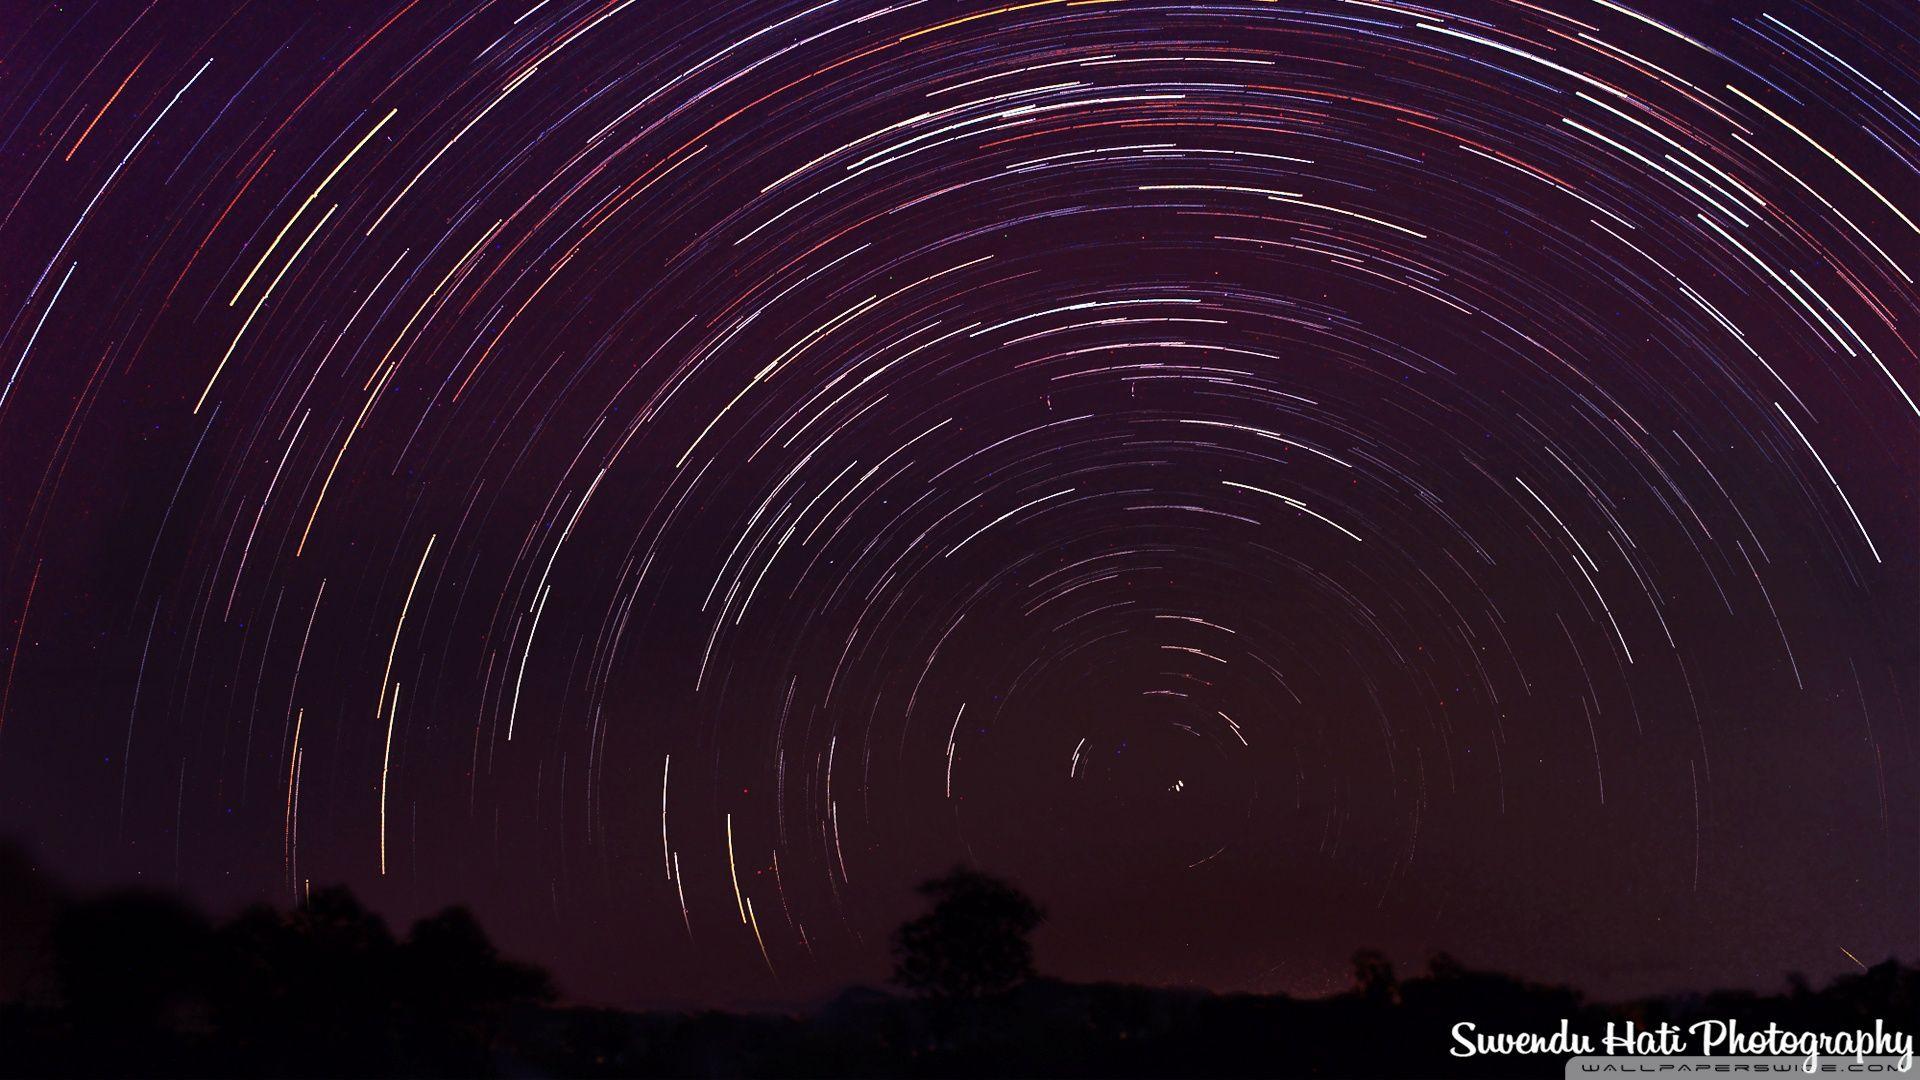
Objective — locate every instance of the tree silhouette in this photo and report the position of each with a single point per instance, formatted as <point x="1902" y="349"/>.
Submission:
<point x="1373" y="973"/>
<point x="129" y="964"/>
<point x="311" y="991"/>
<point x="973" y="942"/>
<point x="455" y="989"/>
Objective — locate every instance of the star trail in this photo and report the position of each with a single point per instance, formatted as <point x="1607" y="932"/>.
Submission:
<point x="1268" y="477"/>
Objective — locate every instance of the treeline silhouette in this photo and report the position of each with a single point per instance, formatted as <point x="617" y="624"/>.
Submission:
<point x="139" y="984"/>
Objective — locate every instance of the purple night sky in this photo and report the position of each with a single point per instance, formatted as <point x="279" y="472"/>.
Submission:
<point x="1269" y="478"/>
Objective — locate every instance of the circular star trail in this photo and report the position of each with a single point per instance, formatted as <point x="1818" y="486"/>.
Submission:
<point x="1269" y="478"/>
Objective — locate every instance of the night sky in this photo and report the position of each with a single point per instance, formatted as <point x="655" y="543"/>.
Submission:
<point x="1269" y="479"/>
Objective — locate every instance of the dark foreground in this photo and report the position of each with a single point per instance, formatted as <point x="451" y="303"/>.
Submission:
<point x="139" y="984"/>
<point x="1044" y="1028"/>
